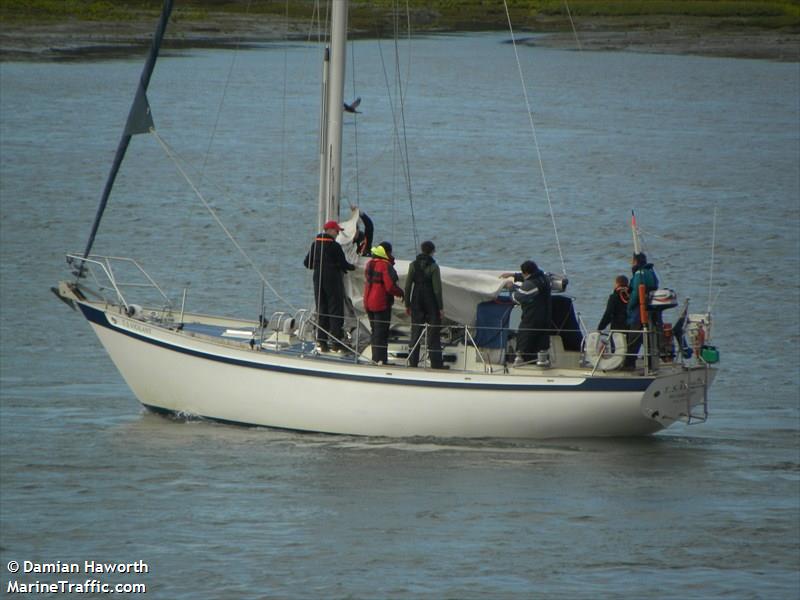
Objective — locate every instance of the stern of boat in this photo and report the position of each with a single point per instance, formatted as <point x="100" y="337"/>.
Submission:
<point x="679" y="396"/>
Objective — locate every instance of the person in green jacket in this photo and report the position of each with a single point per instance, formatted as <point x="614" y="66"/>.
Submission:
<point x="423" y="300"/>
<point x="643" y="273"/>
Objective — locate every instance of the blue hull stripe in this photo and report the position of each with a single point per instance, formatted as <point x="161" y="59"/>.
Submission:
<point x="639" y="384"/>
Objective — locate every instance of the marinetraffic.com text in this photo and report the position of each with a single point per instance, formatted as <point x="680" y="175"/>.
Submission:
<point x="88" y="579"/>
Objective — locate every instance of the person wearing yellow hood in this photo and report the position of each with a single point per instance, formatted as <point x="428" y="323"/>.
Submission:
<point x="380" y="288"/>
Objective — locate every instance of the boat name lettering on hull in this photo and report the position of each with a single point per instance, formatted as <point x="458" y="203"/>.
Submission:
<point x="133" y="326"/>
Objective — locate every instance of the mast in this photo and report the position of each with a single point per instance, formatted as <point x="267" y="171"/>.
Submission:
<point x="331" y="126"/>
<point x="322" y="201"/>
<point x="139" y="120"/>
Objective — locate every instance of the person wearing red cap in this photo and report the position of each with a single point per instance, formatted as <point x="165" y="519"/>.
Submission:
<point x="326" y="258"/>
<point x="380" y="288"/>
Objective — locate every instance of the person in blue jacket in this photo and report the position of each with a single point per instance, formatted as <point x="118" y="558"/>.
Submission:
<point x="643" y="273"/>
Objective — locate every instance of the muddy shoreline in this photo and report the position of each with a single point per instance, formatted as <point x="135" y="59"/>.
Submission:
<point x="97" y="40"/>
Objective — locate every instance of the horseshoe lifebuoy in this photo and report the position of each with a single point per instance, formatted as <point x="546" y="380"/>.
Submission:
<point x="605" y="351"/>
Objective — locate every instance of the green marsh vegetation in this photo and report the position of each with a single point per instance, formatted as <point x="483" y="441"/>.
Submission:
<point x="432" y="15"/>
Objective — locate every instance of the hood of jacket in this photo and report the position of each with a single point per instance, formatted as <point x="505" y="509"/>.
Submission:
<point x="424" y="260"/>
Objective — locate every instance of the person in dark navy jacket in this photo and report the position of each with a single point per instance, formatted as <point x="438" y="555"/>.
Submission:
<point x="616" y="315"/>
<point x="534" y="296"/>
<point x="326" y="258"/>
<point x="363" y="238"/>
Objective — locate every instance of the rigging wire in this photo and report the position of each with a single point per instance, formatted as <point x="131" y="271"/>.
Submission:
<point x="315" y="25"/>
<point x="402" y="93"/>
<point x="711" y="266"/>
<point x="572" y="23"/>
<point x="355" y="122"/>
<point x="282" y="179"/>
<point x="396" y="129"/>
<point x="394" y="134"/>
<point x="714" y="302"/>
<point x="395" y="145"/>
<point x="535" y="139"/>
<point x="314" y="14"/>
<point x="222" y="99"/>
<point x="215" y="126"/>
<point x="177" y="161"/>
<point x="408" y="36"/>
<point x="397" y="159"/>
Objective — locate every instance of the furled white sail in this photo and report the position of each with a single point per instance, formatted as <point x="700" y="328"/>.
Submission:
<point x="462" y="289"/>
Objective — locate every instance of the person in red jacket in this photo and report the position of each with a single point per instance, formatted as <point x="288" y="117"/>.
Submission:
<point x="380" y="287"/>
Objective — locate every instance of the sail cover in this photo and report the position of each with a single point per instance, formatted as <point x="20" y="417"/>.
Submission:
<point x="140" y="120"/>
<point x="462" y="289"/>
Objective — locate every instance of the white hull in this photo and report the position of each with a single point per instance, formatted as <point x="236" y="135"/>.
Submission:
<point x="190" y="375"/>
<point x="188" y="369"/>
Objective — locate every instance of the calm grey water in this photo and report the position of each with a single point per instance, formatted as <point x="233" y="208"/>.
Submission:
<point x="706" y="511"/>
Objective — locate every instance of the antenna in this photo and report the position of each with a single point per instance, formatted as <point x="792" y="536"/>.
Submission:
<point x="711" y="266"/>
<point x="637" y="247"/>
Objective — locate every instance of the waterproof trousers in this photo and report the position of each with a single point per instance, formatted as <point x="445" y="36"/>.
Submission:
<point x="329" y="296"/>
<point x="532" y="336"/>
<point x="420" y="315"/>
<point x="379" y="323"/>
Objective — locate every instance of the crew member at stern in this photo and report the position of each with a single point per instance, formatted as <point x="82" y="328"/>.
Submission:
<point x="616" y="314"/>
<point x="643" y="275"/>
<point x="326" y="258"/>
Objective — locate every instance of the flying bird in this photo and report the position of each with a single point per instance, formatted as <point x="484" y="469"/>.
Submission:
<point x="351" y="108"/>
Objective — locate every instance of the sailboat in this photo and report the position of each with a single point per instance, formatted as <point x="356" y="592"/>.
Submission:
<point x="268" y="372"/>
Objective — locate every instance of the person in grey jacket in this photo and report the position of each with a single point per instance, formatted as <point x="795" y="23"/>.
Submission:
<point x="423" y="300"/>
<point x="534" y="296"/>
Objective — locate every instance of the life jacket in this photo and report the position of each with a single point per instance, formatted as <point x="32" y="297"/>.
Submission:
<point x="325" y="255"/>
<point x="376" y="297"/>
<point x="372" y="275"/>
